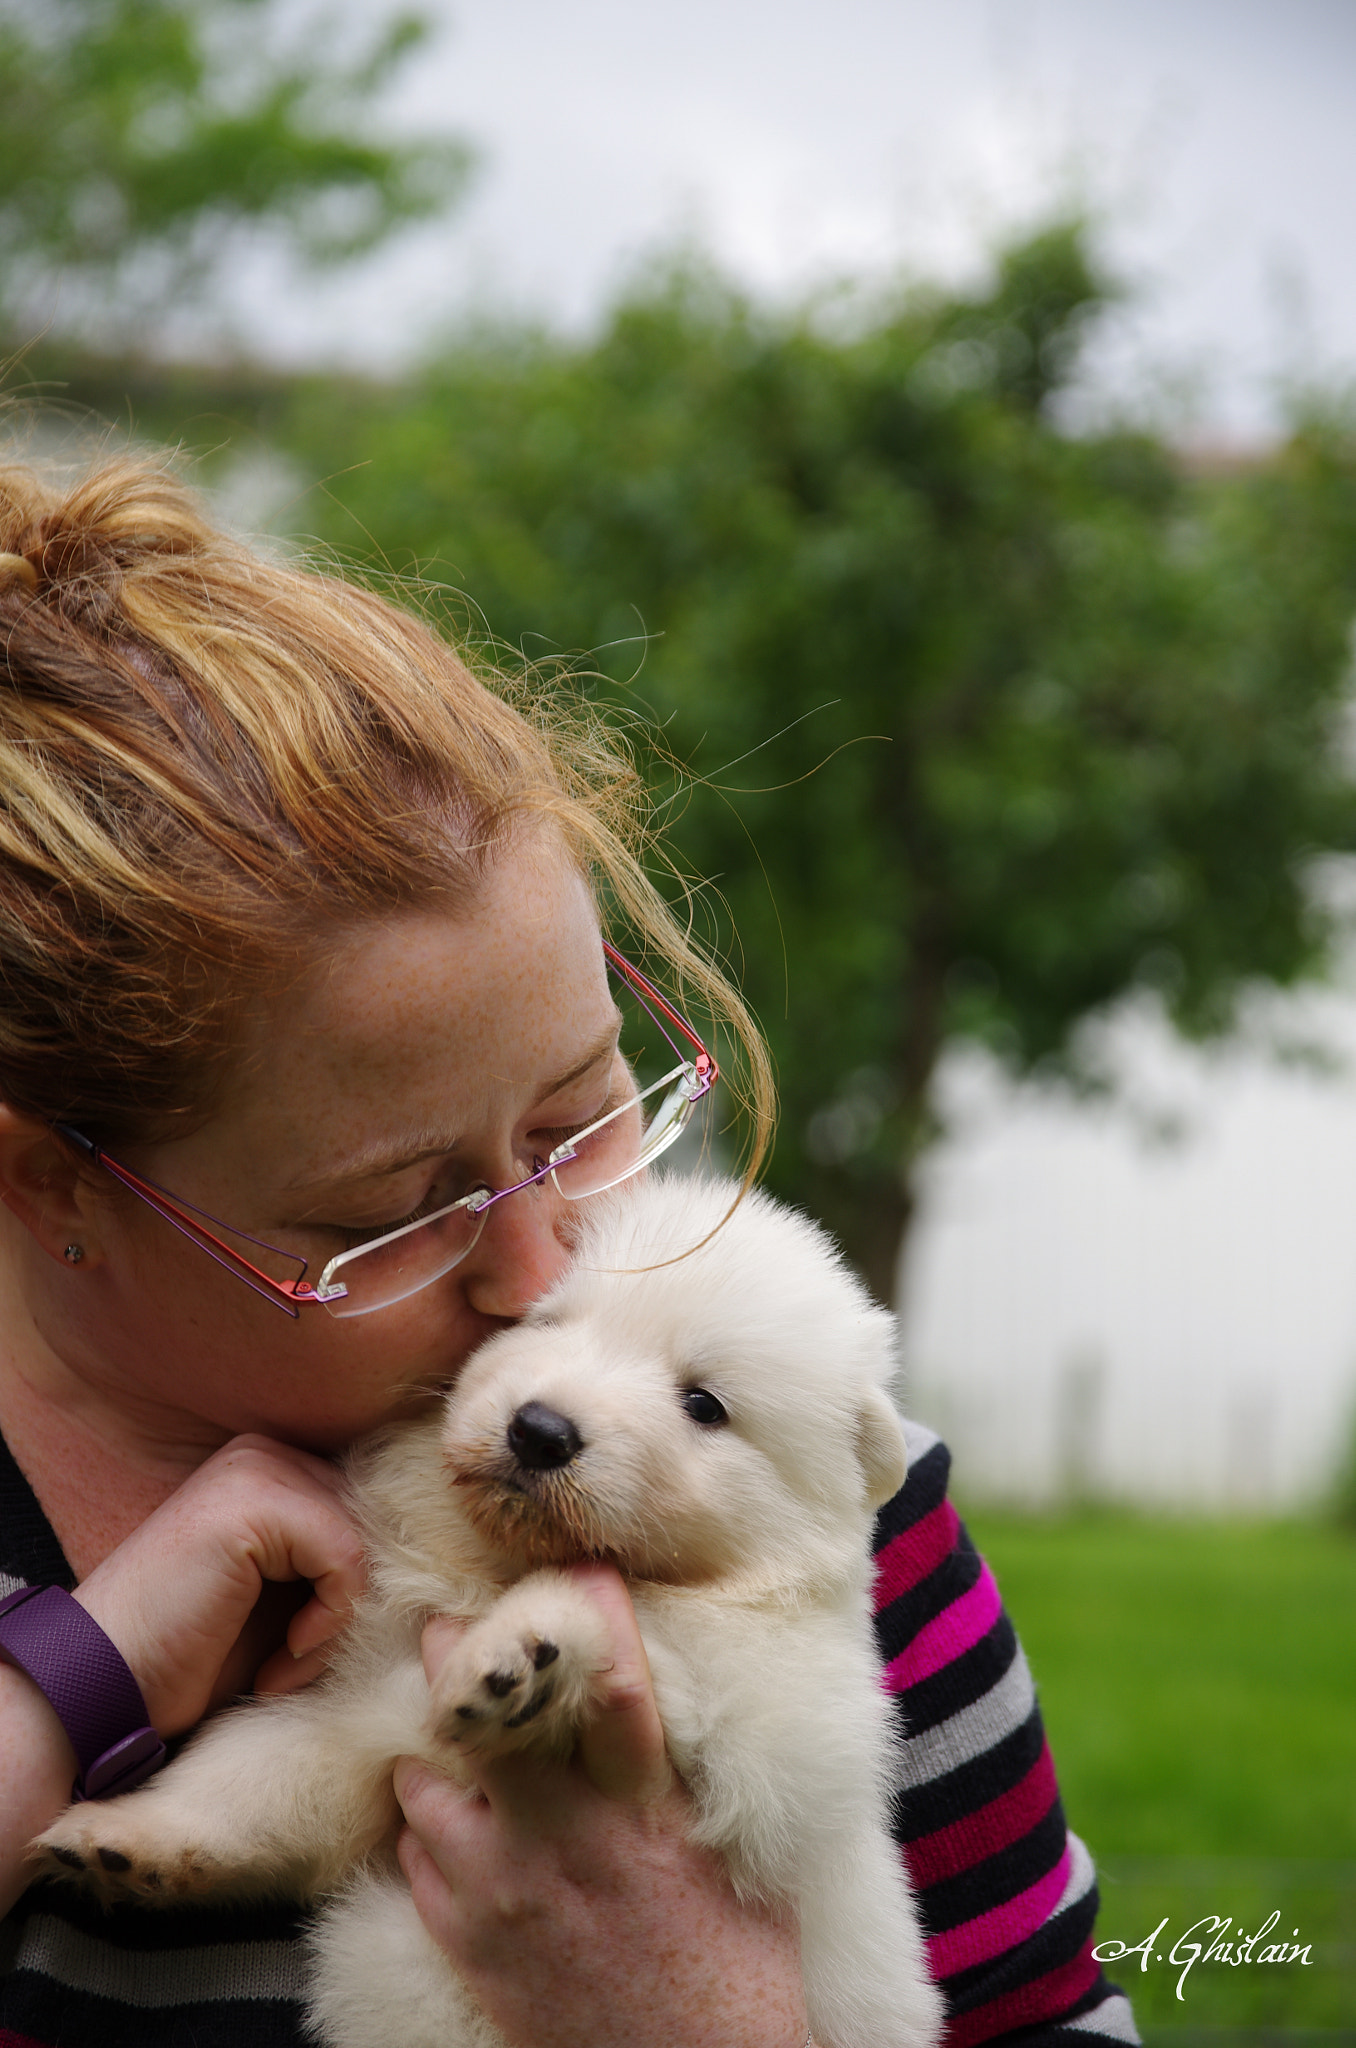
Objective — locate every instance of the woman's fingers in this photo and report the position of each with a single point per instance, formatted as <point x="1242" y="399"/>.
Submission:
<point x="434" y="1888"/>
<point x="312" y="1627"/>
<point x="448" y="1835"/>
<point x="294" y="1524"/>
<point x="421" y="1872"/>
<point x="621" y="1746"/>
<point x="319" y="1623"/>
<point x="283" y="1672"/>
<point x="202" y="1594"/>
<point x="592" y="1922"/>
<point x="437" y="1642"/>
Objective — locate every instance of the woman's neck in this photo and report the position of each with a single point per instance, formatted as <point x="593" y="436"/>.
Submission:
<point x="98" y="1460"/>
<point x="92" y="1487"/>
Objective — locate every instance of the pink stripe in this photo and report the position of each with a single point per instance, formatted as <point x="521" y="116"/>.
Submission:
<point x="910" y="1556"/>
<point x="12" y="2040"/>
<point x="948" y="1635"/>
<point x="1046" y="1999"/>
<point x="988" y="1830"/>
<point x="975" y="1941"/>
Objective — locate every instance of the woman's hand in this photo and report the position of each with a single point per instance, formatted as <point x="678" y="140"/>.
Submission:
<point x="570" y="1898"/>
<point x="198" y="1595"/>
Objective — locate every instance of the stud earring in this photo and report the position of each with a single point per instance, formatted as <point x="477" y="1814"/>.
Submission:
<point x="74" y="1254"/>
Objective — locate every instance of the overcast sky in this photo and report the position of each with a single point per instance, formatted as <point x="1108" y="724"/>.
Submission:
<point x="1217" y="139"/>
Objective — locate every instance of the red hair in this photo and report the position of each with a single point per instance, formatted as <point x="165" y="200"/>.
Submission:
<point x="210" y="760"/>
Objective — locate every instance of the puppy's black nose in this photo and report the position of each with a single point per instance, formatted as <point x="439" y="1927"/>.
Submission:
<point x="540" y="1438"/>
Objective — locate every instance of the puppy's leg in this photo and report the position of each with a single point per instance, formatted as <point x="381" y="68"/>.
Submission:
<point x="276" y="1796"/>
<point x="867" y="1982"/>
<point x="525" y="1673"/>
<point x="779" y="1726"/>
<point x="378" y="1976"/>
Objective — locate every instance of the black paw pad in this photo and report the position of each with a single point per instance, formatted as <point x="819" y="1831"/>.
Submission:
<point x="113" y="1859"/>
<point x="544" y="1654"/>
<point x="500" y="1683"/>
<point x="531" y="1710"/>
<point x="69" y="1858"/>
<point x="468" y="1713"/>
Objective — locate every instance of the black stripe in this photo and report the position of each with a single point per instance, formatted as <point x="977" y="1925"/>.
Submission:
<point x="28" y="1549"/>
<point x="1054" y="2034"/>
<point x="1054" y="1943"/>
<point x="960" y="1684"/>
<point x="922" y="1809"/>
<point x="923" y="1490"/>
<point x="127" y="1927"/>
<point x="898" y="1623"/>
<point x="50" y="2012"/>
<point x="999" y="1877"/>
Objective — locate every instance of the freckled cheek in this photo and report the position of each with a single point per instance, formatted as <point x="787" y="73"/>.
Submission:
<point x="429" y="1346"/>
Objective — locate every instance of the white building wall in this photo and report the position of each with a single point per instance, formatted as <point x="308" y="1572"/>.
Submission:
<point x="1090" y="1310"/>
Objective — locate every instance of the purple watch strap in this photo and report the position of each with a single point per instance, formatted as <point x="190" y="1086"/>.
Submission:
<point x="90" y="1689"/>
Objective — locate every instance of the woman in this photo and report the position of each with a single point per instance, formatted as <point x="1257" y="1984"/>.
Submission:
<point x="300" y="930"/>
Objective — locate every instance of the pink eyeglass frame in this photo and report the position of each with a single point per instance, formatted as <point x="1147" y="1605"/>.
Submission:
<point x="292" y="1295"/>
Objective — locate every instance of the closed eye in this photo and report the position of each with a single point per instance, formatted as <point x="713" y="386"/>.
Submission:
<point x="547" y="1136"/>
<point x="354" y="1234"/>
<point x="703" y="1407"/>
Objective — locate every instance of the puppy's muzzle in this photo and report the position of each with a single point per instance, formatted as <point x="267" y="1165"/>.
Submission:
<point x="541" y="1439"/>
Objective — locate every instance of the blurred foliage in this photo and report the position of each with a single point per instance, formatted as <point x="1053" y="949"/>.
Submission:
<point x="140" y="136"/>
<point x="980" y="724"/>
<point x="975" y="724"/>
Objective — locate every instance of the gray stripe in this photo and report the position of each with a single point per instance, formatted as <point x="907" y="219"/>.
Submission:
<point x="9" y="1585"/>
<point x="1081" y="1875"/>
<point x="918" y="1439"/>
<point x="183" y="1976"/>
<point x="1112" y="2019"/>
<point x="973" y="1730"/>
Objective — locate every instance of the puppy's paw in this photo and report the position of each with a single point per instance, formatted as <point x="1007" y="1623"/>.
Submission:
<point x="524" y="1674"/>
<point x="495" y="1684"/>
<point x="110" y="1852"/>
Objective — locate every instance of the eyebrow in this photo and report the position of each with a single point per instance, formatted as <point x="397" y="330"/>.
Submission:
<point x="370" y="1162"/>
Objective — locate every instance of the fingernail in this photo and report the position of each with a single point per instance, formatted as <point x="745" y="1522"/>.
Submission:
<point x="408" y="1779"/>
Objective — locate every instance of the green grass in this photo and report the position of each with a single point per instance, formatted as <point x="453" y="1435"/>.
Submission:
<point x="1198" y="1680"/>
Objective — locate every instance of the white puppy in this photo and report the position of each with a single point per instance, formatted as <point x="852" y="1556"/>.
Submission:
<point x="718" y="1426"/>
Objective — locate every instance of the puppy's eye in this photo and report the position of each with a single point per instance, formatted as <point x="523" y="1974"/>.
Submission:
<point x="703" y="1407"/>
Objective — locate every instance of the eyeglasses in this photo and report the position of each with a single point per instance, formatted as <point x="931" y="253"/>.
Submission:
<point x="400" y="1262"/>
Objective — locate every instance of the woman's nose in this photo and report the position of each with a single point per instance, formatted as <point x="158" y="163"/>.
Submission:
<point x="521" y="1253"/>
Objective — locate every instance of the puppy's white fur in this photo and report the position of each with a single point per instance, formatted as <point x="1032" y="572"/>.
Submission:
<point x="745" y="1545"/>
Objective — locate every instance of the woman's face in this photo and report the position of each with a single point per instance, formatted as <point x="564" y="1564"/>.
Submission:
<point x="428" y="1054"/>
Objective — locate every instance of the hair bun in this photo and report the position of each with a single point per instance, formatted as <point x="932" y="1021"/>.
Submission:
<point x="20" y="568"/>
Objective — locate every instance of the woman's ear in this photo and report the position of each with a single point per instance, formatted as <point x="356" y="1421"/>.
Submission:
<point x="42" y="1184"/>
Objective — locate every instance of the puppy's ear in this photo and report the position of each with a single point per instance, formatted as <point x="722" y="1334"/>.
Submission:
<point x="880" y="1447"/>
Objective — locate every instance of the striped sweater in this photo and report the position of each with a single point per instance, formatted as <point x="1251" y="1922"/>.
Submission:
<point x="1007" y="1896"/>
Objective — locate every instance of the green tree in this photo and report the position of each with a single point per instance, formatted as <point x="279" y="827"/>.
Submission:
<point x="983" y="724"/>
<point x="141" y="138"/>
<point x="1022" y="720"/>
